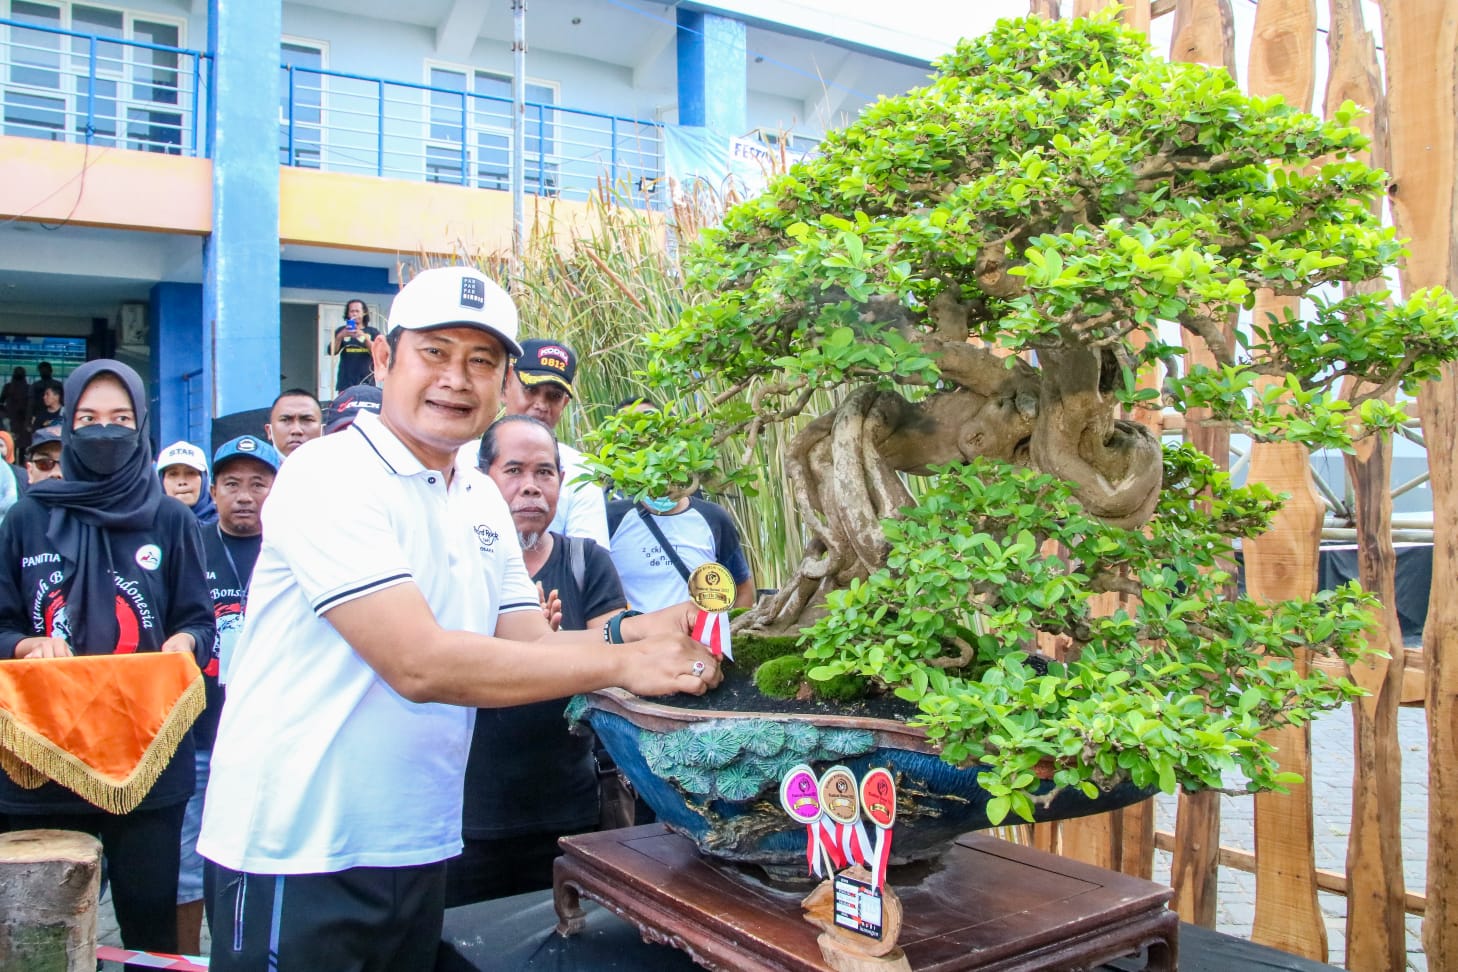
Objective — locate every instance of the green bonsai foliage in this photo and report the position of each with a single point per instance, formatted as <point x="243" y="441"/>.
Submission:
<point x="1171" y="690"/>
<point x="976" y="273"/>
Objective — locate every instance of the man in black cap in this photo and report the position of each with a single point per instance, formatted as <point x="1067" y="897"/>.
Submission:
<point x="43" y="458"/>
<point x="539" y="386"/>
<point x="349" y="403"/>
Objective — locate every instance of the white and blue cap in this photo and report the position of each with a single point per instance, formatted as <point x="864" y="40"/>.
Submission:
<point x="456" y="297"/>
<point x="183" y="454"/>
<point x="248" y="447"/>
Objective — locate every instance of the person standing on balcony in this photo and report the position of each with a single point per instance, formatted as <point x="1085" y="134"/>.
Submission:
<point x="351" y="345"/>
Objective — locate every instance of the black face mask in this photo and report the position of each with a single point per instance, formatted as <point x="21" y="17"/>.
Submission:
<point x="103" y="449"/>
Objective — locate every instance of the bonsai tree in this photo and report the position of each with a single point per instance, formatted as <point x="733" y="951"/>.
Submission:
<point x="977" y="273"/>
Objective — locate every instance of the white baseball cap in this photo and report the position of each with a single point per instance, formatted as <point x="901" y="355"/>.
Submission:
<point x="183" y="454"/>
<point x="456" y="297"/>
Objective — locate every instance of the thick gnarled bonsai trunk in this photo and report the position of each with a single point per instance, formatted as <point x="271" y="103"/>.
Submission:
<point x="846" y="467"/>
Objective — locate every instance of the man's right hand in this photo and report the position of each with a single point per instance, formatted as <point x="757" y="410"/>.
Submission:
<point x="42" y="648"/>
<point x="664" y="664"/>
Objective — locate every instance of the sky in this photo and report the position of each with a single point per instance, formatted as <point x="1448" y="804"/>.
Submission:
<point x="927" y="29"/>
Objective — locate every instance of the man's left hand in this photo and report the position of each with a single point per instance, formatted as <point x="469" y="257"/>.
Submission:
<point x="676" y="619"/>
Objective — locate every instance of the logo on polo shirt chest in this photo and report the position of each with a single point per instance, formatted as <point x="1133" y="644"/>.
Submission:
<point x="487" y="537"/>
<point x="473" y="293"/>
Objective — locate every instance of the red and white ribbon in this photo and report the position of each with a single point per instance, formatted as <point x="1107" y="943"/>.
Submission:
<point x="856" y="842"/>
<point x="830" y="839"/>
<point x="711" y="628"/>
<point x="881" y="857"/>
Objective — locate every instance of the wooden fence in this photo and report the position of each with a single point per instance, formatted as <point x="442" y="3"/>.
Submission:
<point x="1412" y="127"/>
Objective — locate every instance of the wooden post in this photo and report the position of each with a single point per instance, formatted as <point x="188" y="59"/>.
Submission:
<point x="1419" y="39"/>
<point x="49" y="881"/>
<point x="1376" y="933"/>
<point x="1047" y="9"/>
<point x="1281" y="564"/>
<point x="1203" y="33"/>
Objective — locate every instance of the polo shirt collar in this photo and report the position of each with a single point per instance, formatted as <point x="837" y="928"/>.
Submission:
<point x="392" y="452"/>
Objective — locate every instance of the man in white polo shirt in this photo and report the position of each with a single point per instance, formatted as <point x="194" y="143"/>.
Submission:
<point x="374" y="628"/>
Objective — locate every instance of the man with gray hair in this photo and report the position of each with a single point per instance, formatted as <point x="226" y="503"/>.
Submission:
<point x="514" y="810"/>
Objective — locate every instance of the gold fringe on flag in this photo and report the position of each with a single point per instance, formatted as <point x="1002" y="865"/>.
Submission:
<point x="30" y="758"/>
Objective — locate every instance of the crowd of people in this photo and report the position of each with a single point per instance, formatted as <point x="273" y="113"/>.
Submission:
<point x="389" y="605"/>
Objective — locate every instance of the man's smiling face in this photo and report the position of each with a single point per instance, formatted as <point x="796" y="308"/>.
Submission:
<point x="442" y="388"/>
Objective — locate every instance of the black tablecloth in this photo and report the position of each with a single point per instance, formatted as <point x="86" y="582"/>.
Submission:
<point x="519" y="933"/>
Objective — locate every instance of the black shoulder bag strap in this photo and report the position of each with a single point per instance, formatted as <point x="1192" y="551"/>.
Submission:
<point x="653" y="528"/>
<point x="577" y="562"/>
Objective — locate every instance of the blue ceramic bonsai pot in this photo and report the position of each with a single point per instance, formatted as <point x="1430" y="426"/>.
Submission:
<point x="714" y="776"/>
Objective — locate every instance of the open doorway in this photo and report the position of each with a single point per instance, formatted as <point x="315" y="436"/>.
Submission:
<point x="306" y="332"/>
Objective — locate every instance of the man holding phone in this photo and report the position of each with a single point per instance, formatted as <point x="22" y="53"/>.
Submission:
<point x="352" y="344"/>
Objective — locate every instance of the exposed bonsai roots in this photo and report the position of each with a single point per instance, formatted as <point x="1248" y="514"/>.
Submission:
<point x="846" y="467"/>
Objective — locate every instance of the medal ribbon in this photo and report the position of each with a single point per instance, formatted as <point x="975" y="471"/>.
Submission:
<point x="830" y="839"/>
<point x="857" y="843"/>
<point x="882" y="856"/>
<point x="712" y="630"/>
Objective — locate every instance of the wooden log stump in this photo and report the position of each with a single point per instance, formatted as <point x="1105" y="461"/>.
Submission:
<point x="49" y="881"/>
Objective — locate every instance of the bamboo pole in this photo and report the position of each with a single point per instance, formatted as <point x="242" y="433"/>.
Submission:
<point x="1376" y="931"/>
<point x="1203" y="33"/>
<point x="1420" y="38"/>
<point x="1281" y="564"/>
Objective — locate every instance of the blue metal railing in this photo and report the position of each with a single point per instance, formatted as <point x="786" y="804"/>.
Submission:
<point x="101" y="90"/>
<point x="345" y="122"/>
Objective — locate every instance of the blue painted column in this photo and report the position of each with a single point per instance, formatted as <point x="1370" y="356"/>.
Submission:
<point x="175" y="337"/>
<point x="713" y="72"/>
<point x="240" y="258"/>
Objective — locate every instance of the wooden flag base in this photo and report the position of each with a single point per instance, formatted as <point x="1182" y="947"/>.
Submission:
<point x="986" y="905"/>
<point x="848" y="951"/>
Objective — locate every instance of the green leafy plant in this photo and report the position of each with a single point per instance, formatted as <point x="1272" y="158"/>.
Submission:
<point x="974" y="275"/>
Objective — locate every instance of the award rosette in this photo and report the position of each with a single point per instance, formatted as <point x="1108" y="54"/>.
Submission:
<point x="711" y="588"/>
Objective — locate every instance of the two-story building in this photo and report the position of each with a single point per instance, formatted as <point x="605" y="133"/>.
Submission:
<point x="197" y="186"/>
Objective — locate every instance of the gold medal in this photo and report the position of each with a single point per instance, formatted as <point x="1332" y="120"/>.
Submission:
<point x="711" y="588"/>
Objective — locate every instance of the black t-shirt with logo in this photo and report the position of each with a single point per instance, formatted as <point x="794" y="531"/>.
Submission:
<point x="161" y="590"/>
<point x="526" y="773"/>
<point x="356" y="361"/>
<point x="230" y="563"/>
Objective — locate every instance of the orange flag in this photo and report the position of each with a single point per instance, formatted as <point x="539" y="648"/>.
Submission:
<point x="104" y="726"/>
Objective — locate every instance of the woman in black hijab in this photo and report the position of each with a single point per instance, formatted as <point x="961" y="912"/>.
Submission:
<point x="102" y="562"/>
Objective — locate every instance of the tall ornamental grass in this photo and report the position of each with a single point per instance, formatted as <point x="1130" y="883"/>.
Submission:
<point x="601" y="284"/>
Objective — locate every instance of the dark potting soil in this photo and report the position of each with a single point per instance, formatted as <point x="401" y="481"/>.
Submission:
<point x="737" y="693"/>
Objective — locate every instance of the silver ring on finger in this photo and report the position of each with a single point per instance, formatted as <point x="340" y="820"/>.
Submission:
<point x="698" y="669"/>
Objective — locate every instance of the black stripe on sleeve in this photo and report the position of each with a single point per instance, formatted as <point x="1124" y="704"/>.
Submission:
<point x="344" y="595"/>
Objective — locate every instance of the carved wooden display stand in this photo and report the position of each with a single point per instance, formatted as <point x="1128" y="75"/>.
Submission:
<point x="986" y="905"/>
